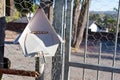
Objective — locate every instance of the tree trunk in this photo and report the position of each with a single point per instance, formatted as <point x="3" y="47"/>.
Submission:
<point x="10" y="7"/>
<point x="76" y="12"/>
<point x="48" y="8"/>
<point x="81" y="24"/>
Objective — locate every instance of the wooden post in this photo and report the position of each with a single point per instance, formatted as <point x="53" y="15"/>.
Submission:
<point x="68" y="36"/>
<point x="58" y="26"/>
<point x="20" y="72"/>
<point x="39" y="65"/>
<point x="2" y="31"/>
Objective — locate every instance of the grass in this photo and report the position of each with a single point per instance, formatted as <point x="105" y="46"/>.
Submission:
<point x="11" y="18"/>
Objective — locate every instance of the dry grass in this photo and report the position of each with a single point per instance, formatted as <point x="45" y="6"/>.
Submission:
<point x="10" y="35"/>
<point x="74" y="50"/>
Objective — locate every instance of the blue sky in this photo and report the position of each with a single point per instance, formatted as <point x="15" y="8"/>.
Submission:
<point x="103" y="5"/>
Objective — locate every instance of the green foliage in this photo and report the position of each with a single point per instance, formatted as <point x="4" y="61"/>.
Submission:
<point x="35" y="7"/>
<point x="11" y="18"/>
<point x="104" y="20"/>
<point x="24" y="6"/>
<point x="14" y="17"/>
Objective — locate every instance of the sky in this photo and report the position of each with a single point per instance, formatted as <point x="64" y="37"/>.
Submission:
<point x="103" y="5"/>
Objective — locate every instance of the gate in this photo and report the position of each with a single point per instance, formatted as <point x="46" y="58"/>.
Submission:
<point x="99" y="55"/>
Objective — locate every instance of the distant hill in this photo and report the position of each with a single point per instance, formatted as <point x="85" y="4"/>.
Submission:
<point x="105" y="12"/>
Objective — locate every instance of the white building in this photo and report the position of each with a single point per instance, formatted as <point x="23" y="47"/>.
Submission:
<point x="96" y="28"/>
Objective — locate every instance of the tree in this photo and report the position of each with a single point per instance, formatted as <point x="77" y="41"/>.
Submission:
<point x="115" y="9"/>
<point x="76" y="12"/>
<point x="94" y="17"/>
<point x="25" y="6"/>
<point x="81" y="24"/>
<point x="47" y="5"/>
<point x="111" y="24"/>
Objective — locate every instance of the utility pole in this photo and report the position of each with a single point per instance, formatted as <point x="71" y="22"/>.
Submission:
<point x="2" y="32"/>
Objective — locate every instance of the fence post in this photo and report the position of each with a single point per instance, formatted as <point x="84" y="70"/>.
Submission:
<point x="68" y="36"/>
<point x="2" y="32"/>
<point x="58" y="25"/>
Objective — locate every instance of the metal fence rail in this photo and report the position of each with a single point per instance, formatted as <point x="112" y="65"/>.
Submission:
<point x="95" y="67"/>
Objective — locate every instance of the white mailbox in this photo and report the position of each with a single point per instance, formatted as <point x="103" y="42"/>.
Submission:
<point x="39" y="36"/>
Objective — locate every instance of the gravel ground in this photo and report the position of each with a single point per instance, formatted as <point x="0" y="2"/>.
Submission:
<point x="18" y="61"/>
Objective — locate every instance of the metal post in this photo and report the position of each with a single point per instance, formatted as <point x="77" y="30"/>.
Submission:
<point x="2" y="31"/>
<point x="116" y="40"/>
<point x="58" y="25"/>
<point x="39" y="65"/>
<point x="99" y="59"/>
<point x="86" y="38"/>
<point x="68" y="34"/>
